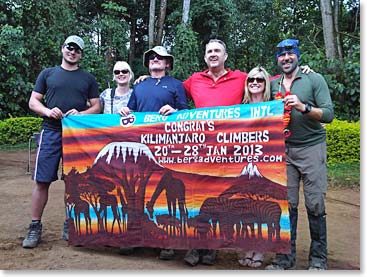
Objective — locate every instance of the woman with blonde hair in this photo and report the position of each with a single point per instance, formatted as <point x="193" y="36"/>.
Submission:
<point x="257" y="86"/>
<point x="112" y="100"/>
<point x="257" y="89"/>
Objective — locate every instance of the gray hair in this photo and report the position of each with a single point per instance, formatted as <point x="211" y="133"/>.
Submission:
<point x="217" y="41"/>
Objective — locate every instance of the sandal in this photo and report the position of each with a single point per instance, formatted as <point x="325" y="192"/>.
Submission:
<point x="247" y="259"/>
<point x="257" y="260"/>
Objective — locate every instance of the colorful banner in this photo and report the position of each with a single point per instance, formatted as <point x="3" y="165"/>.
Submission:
<point x="197" y="179"/>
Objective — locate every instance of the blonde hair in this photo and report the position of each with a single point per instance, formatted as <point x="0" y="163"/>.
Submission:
<point x="247" y="98"/>
<point x="124" y="65"/>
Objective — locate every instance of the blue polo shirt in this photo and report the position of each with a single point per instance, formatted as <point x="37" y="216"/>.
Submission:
<point x="153" y="93"/>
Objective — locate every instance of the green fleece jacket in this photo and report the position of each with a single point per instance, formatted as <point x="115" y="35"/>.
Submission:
<point x="310" y="88"/>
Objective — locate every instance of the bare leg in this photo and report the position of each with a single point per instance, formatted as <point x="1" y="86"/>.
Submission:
<point x="39" y="199"/>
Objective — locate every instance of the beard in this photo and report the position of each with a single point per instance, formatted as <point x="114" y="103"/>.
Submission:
<point x="289" y="70"/>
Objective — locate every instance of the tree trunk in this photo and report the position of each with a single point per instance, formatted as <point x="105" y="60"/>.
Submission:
<point x="151" y="23"/>
<point x="185" y="11"/>
<point x="132" y="40"/>
<point x="336" y="27"/>
<point x="162" y="17"/>
<point x="328" y="28"/>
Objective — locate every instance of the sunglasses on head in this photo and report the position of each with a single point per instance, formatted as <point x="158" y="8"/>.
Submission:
<point x="72" y="47"/>
<point x="258" y="80"/>
<point x="123" y="71"/>
<point x="285" y="49"/>
<point x="153" y="56"/>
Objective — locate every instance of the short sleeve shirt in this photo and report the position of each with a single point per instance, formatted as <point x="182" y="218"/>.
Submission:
<point x="66" y="90"/>
<point x="226" y="91"/>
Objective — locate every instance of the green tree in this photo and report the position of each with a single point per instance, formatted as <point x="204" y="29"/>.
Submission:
<point x="186" y="52"/>
<point x="14" y="88"/>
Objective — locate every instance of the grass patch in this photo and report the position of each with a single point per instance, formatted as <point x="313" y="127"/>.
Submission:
<point x="344" y="175"/>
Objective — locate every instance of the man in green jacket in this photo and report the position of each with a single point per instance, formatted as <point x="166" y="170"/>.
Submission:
<point x="309" y="99"/>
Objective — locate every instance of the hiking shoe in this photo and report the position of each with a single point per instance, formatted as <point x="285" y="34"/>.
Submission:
<point x="317" y="266"/>
<point x="126" y="250"/>
<point x="209" y="257"/>
<point x="166" y="254"/>
<point x="192" y="257"/>
<point x="33" y="237"/>
<point x="65" y="231"/>
<point x="279" y="267"/>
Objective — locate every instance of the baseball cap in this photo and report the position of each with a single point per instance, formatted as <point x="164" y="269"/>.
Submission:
<point x="75" y="39"/>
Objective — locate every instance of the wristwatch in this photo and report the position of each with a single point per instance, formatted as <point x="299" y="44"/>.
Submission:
<point x="308" y="108"/>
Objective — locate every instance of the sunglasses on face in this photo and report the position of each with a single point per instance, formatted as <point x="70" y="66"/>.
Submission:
<point x="123" y="71"/>
<point x="153" y="56"/>
<point x="72" y="48"/>
<point x="258" y="80"/>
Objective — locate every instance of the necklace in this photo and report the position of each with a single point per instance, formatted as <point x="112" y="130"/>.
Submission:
<point x="287" y="109"/>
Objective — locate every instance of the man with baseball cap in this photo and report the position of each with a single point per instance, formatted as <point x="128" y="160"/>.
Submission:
<point x="305" y="151"/>
<point x="78" y="41"/>
<point x="59" y="91"/>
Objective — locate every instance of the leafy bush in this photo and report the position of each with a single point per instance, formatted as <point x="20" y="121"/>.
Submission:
<point x="19" y="129"/>
<point x="343" y="142"/>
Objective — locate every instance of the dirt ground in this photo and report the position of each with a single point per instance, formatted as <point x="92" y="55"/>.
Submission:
<point x="343" y="223"/>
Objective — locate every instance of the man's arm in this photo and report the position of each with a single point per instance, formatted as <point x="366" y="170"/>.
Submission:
<point x="324" y="111"/>
<point x="95" y="106"/>
<point x="36" y="105"/>
<point x="294" y="102"/>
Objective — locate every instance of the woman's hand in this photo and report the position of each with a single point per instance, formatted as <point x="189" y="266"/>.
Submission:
<point x="124" y="111"/>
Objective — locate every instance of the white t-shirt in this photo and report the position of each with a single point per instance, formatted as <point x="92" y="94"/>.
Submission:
<point x="119" y="101"/>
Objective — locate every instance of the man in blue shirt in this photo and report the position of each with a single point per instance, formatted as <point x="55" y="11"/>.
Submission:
<point x="158" y="93"/>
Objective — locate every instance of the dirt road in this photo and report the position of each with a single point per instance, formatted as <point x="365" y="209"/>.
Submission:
<point x="343" y="223"/>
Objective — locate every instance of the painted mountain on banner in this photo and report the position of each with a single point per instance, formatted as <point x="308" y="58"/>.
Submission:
<point x="250" y="170"/>
<point x="121" y="150"/>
